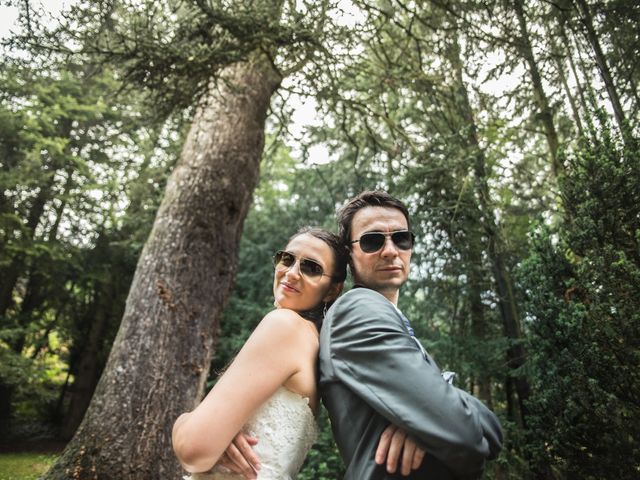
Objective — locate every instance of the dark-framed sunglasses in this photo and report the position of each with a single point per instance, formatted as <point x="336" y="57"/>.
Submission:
<point x="311" y="269"/>
<point x="373" y="241"/>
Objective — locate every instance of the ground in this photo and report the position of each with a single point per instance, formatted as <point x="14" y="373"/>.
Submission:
<point x="27" y="460"/>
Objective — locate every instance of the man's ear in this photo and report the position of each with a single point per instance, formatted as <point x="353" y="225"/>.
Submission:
<point x="334" y="291"/>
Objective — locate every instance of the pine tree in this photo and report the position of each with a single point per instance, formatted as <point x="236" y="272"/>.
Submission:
<point x="583" y="288"/>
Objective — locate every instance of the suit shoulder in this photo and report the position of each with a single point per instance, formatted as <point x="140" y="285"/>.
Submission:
<point x="361" y="306"/>
<point x="361" y="295"/>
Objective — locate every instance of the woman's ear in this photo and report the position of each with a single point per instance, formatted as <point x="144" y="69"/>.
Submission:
<point x="334" y="291"/>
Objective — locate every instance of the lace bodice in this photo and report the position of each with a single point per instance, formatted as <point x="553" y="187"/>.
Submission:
<point x="286" y="429"/>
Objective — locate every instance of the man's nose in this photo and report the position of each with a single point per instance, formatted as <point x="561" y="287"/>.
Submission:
<point x="389" y="249"/>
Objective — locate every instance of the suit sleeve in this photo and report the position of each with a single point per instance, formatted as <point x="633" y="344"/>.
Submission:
<point x="373" y="355"/>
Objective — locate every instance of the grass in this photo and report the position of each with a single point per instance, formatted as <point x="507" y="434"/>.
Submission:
<point x="24" y="466"/>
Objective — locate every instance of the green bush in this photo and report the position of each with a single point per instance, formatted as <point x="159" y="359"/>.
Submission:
<point x="583" y="286"/>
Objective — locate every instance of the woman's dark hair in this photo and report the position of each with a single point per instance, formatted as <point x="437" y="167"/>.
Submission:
<point x="339" y="274"/>
<point x="340" y="254"/>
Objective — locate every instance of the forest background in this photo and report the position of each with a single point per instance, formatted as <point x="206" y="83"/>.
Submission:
<point x="150" y="167"/>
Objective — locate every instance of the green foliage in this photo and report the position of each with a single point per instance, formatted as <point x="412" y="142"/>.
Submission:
<point x="323" y="461"/>
<point x="69" y="236"/>
<point x="34" y="387"/>
<point x="583" y="287"/>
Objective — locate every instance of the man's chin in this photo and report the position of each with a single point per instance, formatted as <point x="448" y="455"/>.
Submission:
<point x="389" y="285"/>
<point x="383" y="284"/>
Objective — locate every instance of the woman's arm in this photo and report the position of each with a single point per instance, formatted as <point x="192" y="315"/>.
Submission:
<point x="269" y="357"/>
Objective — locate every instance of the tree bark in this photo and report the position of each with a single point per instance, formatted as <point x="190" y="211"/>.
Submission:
<point x="161" y="354"/>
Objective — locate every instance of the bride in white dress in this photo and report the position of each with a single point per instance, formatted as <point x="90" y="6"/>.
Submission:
<point x="269" y="392"/>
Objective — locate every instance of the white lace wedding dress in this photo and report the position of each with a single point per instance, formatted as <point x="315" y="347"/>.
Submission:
<point x="286" y="429"/>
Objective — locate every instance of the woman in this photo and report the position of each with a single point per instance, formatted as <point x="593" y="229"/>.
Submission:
<point x="270" y="389"/>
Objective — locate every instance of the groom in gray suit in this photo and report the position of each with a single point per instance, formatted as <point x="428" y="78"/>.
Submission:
<point x="375" y="374"/>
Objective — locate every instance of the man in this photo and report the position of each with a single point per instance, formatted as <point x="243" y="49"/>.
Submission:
<point x="373" y="371"/>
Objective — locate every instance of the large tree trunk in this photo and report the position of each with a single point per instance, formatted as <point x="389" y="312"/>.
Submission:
<point x="160" y="357"/>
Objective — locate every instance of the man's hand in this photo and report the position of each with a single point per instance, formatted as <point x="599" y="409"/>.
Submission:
<point x="393" y="442"/>
<point x="240" y="458"/>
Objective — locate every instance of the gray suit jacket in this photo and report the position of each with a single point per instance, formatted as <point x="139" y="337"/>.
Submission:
<point x="372" y="373"/>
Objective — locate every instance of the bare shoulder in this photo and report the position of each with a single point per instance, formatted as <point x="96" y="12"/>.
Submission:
<point x="283" y="324"/>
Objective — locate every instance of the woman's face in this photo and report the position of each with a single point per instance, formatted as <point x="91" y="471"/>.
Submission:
<point x="298" y="291"/>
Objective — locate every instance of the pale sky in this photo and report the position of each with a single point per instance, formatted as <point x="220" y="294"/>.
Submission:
<point x="9" y="15"/>
<point x="304" y="109"/>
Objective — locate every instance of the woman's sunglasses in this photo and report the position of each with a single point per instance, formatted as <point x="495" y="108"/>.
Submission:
<point x="373" y="241"/>
<point x="311" y="269"/>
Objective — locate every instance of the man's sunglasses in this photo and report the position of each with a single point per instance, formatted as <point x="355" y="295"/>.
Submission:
<point x="311" y="269"/>
<point x="373" y="241"/>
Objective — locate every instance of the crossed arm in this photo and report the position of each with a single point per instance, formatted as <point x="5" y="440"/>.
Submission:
<point x="200" y="437"/>
<point x="395" y="449"/>
<point x="373" y="355"/>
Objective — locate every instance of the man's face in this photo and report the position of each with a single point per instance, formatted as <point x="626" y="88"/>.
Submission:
<point x="384" y="270"/>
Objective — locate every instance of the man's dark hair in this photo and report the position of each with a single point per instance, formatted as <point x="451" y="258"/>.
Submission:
<point x="368" y="198"/>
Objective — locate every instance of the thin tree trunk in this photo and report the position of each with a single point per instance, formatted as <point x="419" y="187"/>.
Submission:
<point x="516" y="354"/>
<point x="626" y="72"/>
<point x="12" y="273"/>
<point x="35" y="291"/>
<point x="601" y="61"/>
<point x="160" y="357"/>
<point x="17" y="266"/>
<point x="479" y="325"/>
<point x="31" y="302"/>
<point x="544" y="109"/>
<point x="574" y="70"/>
<point x="559" y="57"/>
<point x="9" y="277"/>
<point x="87" y="370"/>
<point x="496" y="252"/>
<point x="53" y="231"/>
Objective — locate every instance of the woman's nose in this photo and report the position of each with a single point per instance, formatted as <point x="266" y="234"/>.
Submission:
<point x="293" y="270"/>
